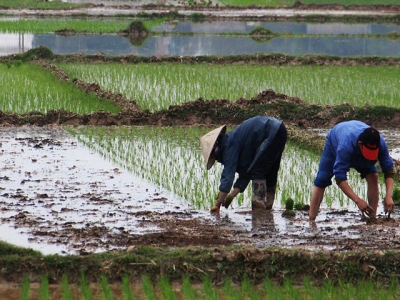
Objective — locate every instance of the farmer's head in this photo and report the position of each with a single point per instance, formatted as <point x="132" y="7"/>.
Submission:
<point x="369" y="141"/>
<point x="209" y="145"/>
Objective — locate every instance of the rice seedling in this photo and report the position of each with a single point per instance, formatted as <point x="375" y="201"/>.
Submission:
<point x="30" y="88"/>
<point x="166" y="289"/>
<point x="25" y="286"/>
<point x="107" y="293"/>
<point x="148" y="288"/>
<point x="37" y="4"/>
<point x="246" y="289"/>
<point x="352" y="2"/>
<point x="156" y="87"/>
<point x="127" y="291"/>
<point x="66" y="292"/>
<point x="47" y="26"/>
<point x="85" y="288"/>
<point x="271" y="291"/>
<point x="208" y="289"/>
<point x="44" y="289"/>
<point x="187" y="290"/>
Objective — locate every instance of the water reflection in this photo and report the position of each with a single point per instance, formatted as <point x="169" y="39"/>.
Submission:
<point x="216" y="27"/>
<point x="200" y="45"/>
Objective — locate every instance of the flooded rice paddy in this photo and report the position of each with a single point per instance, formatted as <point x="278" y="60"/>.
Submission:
<point x="220" y="38"/>
<point x="59" y="196"/>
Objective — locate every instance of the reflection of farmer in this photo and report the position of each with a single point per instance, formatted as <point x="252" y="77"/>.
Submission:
<point x="354" y="144"/>
<point x="253" y="150"/>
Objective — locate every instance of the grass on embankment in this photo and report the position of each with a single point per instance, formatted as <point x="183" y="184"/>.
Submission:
<point x="199" y="271"/>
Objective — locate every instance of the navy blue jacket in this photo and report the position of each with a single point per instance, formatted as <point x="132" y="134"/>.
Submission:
<point x="241" y="147"/>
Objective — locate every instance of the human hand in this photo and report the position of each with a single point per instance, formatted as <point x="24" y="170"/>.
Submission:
<point x="366" y="209"/>
<point x="388" y="204"/>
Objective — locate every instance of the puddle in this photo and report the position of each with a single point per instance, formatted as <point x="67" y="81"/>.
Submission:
<point x="57" y="196"/>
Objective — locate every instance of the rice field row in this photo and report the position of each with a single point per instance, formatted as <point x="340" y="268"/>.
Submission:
<point x="154" y="153"/>
<point x="26" y="87"/>
<point x="46" y="26"/>
<point x="85" y="25"/>
<point x="157" y="86"/>
<point x="148" y="288"/>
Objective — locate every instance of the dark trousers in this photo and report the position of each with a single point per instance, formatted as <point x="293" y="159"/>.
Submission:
<point x="268" y="164"/>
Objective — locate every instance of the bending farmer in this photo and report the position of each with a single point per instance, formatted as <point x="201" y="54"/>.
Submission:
<point x="354" y="144"/>
<point x="253" y="150"/>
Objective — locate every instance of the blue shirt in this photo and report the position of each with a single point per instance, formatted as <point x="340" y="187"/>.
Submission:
<point x="342" y="142"/>
<point x="241" y="147"/>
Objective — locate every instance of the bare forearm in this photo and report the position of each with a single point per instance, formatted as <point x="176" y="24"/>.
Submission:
<point x="348" y="191"/>
<point x="389" y="182"/>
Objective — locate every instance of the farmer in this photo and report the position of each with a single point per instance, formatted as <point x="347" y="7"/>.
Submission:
<point x="253" y="150"/>
<point x="354" y="144"/>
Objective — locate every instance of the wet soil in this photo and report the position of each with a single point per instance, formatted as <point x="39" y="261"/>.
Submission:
<point x="59" y="197"/>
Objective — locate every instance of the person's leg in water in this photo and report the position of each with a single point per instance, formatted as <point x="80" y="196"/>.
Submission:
<point x="267" y="167"/>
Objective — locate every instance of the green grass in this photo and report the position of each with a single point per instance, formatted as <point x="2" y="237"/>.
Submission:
<point x="278" y="3"/>
<point x="246" y="289"/>
<point x="80" y="26"/>
<point x="353" y="2"/>
<point x="36" y="4"/>
<point x="46" y="26"/>
<point x="157" y="86"/>
<point x="27" y="87"/>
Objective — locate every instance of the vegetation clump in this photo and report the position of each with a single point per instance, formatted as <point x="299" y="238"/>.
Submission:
<point x="40" y="52"/>
<point x="261" y="34"/>
<point x="289" y="205"/>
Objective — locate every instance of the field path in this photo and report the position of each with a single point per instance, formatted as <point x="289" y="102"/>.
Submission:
<point x="213" y="11"/>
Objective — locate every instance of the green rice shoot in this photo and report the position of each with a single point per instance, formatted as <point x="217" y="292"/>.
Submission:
<point x="27" y="88"/>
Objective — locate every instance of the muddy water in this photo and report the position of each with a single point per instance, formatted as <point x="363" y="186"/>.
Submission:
<point x="57" y="196"/>
<point x="48" y="182"/>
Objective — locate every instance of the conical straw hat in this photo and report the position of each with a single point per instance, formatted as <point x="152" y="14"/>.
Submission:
<point x="207" y="142"/>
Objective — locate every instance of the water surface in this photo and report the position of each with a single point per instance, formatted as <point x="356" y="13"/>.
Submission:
<point x="198" y="45"/>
